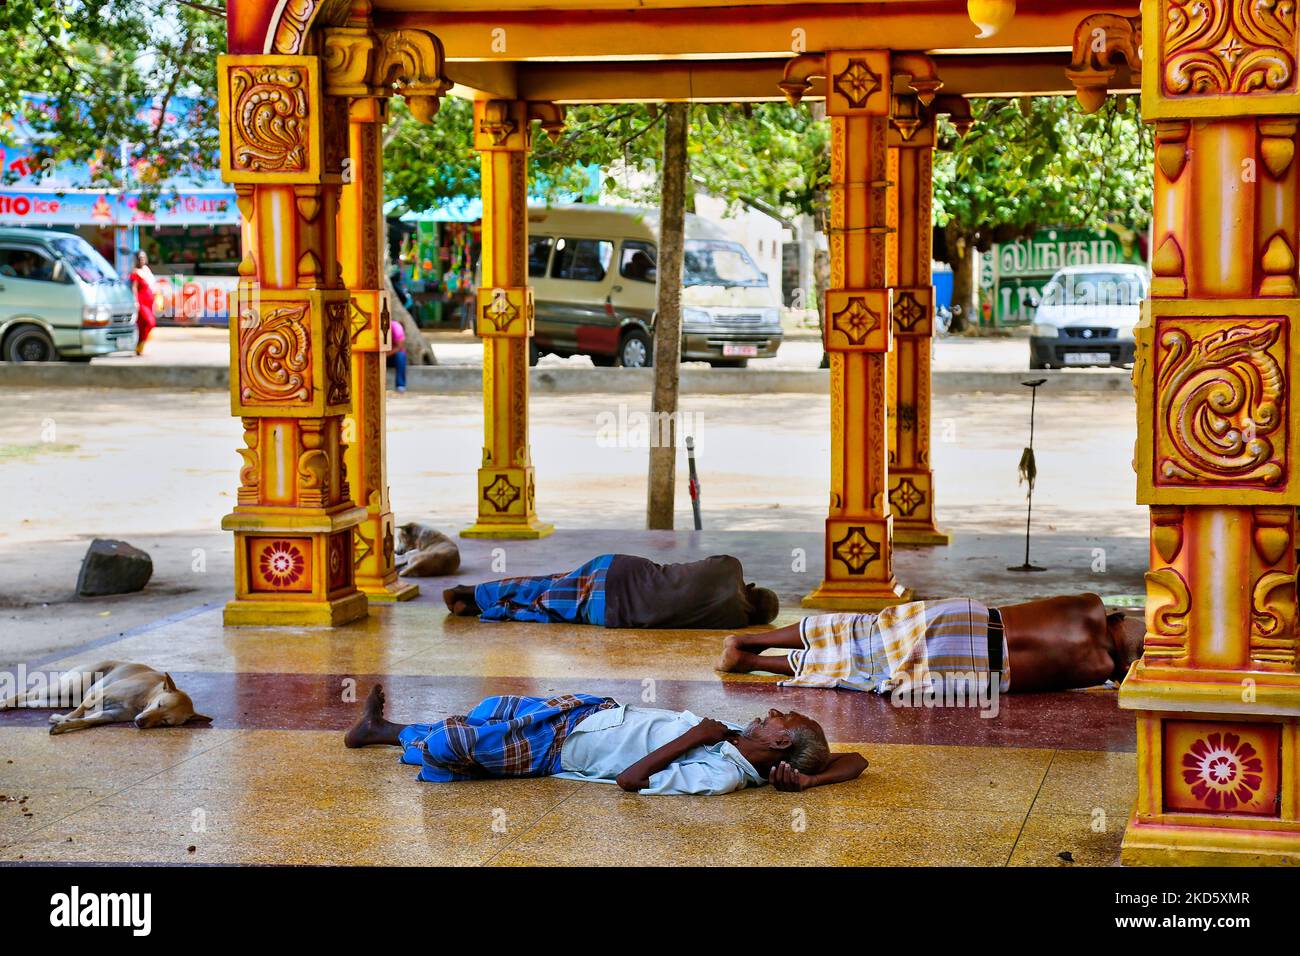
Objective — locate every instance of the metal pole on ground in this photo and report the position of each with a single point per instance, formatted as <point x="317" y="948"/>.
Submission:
<point x="695" y="482"/>
<point x="1029" y="472"/>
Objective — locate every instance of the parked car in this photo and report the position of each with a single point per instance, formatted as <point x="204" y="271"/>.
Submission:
<point x="593" y="273"/>
<point x="1086" y="317"/>
<point x="60" y="299"/>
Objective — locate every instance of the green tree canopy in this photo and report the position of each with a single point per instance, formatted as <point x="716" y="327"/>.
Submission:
<point x="100" y="64"/>
<point x="1036" y="162"/>
<point x="770" y="155"/>
<point x="1045" y="164"/>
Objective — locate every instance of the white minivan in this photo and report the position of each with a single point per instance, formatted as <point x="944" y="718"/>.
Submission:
<point x="1086" y="316"/>
<point x="60" y="299"/>
<point x="593" y="269"/>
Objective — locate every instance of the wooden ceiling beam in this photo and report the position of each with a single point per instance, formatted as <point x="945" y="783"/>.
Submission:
<point x="529" y="31"/>
<point x="730" y="81"/>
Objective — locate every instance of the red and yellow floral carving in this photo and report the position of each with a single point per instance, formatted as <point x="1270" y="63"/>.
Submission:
<point x="279" y="564"/>
<point x="1222" y="767"/>
<point x="1222" y="402"/>
<point x="275" y="355"/>
<point x="338" y="353"/>
<point x="1217" y="47"/>
<point x="270" y="129"/>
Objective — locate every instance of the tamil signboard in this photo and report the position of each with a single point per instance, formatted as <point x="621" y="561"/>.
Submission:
<point x="1012" y="274"/>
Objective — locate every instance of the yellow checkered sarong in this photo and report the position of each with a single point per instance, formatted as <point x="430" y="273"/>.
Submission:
<point x="912" y="642"/>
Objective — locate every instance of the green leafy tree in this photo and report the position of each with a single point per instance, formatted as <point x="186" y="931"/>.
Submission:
<point x="768" y="156"/>
<point x="99" y="66"/>
<point x="1030" y="163"/>
<point x="427" y="165"/>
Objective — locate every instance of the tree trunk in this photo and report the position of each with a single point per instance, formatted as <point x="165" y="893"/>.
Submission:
<point x="668" y="320"/>
<point x="821" y="279"/>
<point x="418" y="351"/>
<point x="963" y="257"/>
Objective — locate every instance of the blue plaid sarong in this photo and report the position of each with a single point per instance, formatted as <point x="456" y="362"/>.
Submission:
<point x="505" y="736"/>
<point x="576" y="597"/>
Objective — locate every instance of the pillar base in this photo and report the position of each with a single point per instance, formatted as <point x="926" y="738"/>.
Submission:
<point x="1148" y="843"/>
<point x="342" y="610"/>
<point x="391" y="592"/>
<point x="920" y="535"/>
<point x="836" y="596"/>
<point x="530" y="528"/>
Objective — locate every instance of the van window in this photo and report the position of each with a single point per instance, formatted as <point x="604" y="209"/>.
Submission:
<point x="719" y="262"/>
<point x="586" y="260"/>
<point x="24" y="262"/>
<point x="539" y="255"/>
<point x="84" y="260"/>
<point x="637" y="261"/>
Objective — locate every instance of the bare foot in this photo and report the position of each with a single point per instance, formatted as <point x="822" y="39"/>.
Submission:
<point x="732" y="655"/>
<point x="371" y="727"/>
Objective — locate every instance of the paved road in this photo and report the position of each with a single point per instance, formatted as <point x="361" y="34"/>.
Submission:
<point x="182" y="346"/>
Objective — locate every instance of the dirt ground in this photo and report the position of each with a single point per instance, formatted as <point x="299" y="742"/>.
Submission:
<point x="158" y="469"/>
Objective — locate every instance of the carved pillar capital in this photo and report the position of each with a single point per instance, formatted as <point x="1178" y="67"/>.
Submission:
<point x="1103" y="44"/>
<point x="911" y="125"/>
<point x="549" y="115"/>
<point x="957" y="109"/>
<point x="361" y="62"/>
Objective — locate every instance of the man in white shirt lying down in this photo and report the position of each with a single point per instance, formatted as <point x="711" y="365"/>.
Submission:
<point x="581" y="737"/>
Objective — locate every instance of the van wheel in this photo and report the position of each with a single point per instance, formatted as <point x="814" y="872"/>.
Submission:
<point x="29" y="343"/>
<point x="533" y="353"/>
<point x="634" y="351"/>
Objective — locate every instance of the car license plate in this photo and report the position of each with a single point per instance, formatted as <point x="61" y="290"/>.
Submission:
<point x="1087" y="358"/>
<point x="740" y="351"/>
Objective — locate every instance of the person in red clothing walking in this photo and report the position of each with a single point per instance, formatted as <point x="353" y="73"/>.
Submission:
<point x="146" y="290"/>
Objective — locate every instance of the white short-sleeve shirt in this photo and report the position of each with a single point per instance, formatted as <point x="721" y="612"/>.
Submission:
<point x="609" y="741"/>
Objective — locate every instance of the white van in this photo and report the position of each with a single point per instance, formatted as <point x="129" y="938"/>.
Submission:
<point x="593" y="268"/>
<point x="1086" y="316"/>
<point x="60" y="299"/>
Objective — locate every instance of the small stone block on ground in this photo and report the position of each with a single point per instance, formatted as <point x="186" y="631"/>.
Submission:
<point x="113" y="567"/>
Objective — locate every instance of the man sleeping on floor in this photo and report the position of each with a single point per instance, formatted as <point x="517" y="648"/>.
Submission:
<point x="1053" y="644"/>
<point x="582" y="737"/>
<point x="623" y="590"/>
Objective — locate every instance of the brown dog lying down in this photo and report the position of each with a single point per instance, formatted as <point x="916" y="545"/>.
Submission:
<point x="121" y="693"/>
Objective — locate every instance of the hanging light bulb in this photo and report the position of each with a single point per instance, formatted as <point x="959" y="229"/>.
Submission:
<point x="990" y="15"/>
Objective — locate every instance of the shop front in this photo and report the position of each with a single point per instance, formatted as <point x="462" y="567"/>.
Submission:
<point x="188" y="226"/>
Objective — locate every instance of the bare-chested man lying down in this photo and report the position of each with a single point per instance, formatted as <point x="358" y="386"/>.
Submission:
<point x="582" y="737"/>
<point x="1053" y="644"/>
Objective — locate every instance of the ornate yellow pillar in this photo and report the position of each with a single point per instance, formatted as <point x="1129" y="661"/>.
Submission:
<point x="363" y="67"/>
<point x="859" y="569"/>
<point x="283" y="147"/>
<point x="1217" y="694"/>
<point x="911" y="479"/>
<point x="502" y="135"/>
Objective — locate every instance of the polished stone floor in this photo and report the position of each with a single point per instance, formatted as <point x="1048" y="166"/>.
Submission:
<point x="1048" y="781"/>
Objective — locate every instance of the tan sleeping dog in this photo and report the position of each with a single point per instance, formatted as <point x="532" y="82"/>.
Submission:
<point x="120" y="693"/>
<point x="425" y="552"/>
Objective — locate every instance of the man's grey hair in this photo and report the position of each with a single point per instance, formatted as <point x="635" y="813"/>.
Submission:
<point x="808" y="750"/>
